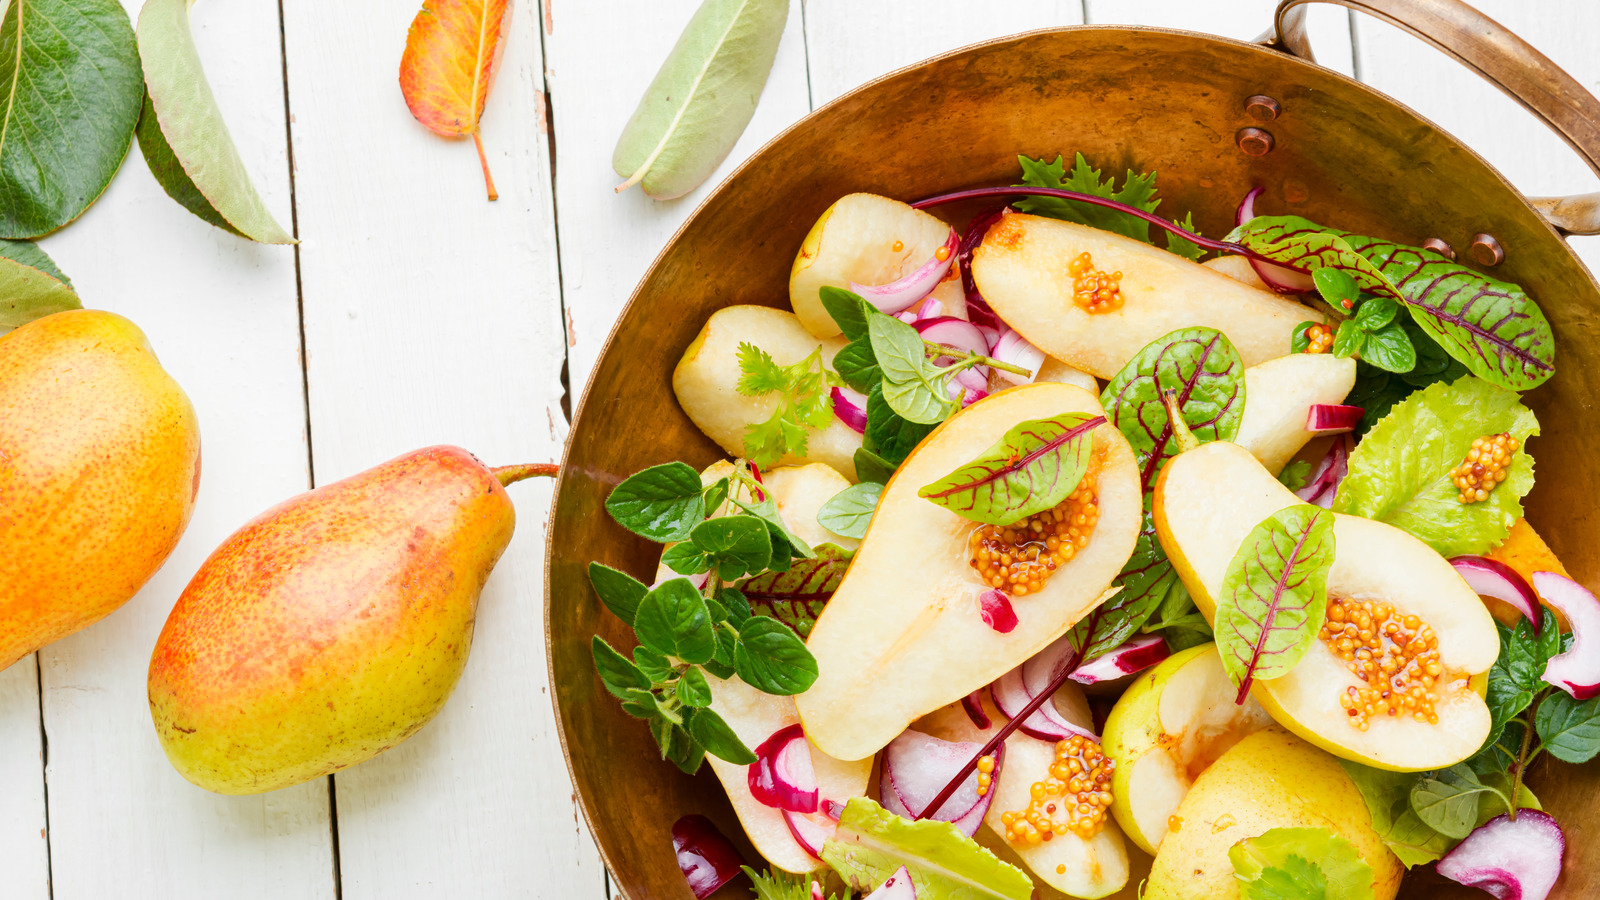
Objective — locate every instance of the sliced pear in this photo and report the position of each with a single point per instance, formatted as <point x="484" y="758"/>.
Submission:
<point x="800" y="491"/>
<point x="707" y="382"/>
<point x="754" y="717"/>
<point x="1089" y="869"/>
<point x="1172" y="723"/>
<point x="1209" y="499"/>
<point x="1238" y="268"/>
<point x="1061" y="373"/>
<point x="1269" y="780"/>
<point x="1278" y="395"/>
<point x="903" y="636"/>
<point x="1021" y="269"/>
<point x="862" y="238"/>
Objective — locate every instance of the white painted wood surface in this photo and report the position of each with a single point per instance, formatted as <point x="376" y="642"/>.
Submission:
<point x="431" y="316"/>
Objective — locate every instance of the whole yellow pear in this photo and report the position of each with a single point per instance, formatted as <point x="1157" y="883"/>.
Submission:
<point x="99" y="465"/>
<point x="333" y="626"/>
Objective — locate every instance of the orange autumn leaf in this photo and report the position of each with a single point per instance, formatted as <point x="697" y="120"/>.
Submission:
<point x="449" y="63"/>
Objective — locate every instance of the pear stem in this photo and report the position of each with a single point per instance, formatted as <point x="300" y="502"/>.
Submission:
<point x="1180" y="429"/>
<point x="509" y="475"/>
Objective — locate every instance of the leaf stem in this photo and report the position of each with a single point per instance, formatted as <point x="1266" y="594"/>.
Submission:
<point x="977" y="359"/>
<point x="1522" y="755"/>
<point x="488" y="180"/>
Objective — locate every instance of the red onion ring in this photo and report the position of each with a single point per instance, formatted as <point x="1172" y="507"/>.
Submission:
<point x="1493" y="578"/>
<point x="903" y="292"/>
<point x="973" y="704"/>
<point x="851" y="408"/>
<point x="782" y="775"/>
<point x="1329" y="418"/>
<point x="1282" y="279"/>
<point x="1513" y="860"/>
<point x="1576" y="671"/>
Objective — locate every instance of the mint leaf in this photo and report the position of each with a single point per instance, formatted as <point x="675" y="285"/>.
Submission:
<point x="1033" y="467"/>
<point x="888" y="433"/>
<point x="1400" y="472"/>
<point x="1300" y="864"/>
<point x="849" y="512"/>
<point x="1387" y="347"/>
<point x="1376" y="313"/>
<point x="1350" y="339"/>
<point x="662" y="503"/>
<point x="617" y="672"/>
<point x="771" y="658"/>
<point x="850" y="311"/>
<point x="619" y="591"/>
<point x="1568" y="728"/>
<point x="1274" y="595"/>
<point x="673" y="621"/>
<point x="858" y="366"/>
<point x="871" y="843"/>
<point x="1448" y="801"/>
<point x="1336" y="286"/>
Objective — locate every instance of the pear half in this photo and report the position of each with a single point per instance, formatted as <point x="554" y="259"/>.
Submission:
<point x="1172" y="722"/>
<point x="1021" y="269"/>
<point x="1279" y="394"/>
<point x="903" y="635"/>
<point x="1206" y="503"/>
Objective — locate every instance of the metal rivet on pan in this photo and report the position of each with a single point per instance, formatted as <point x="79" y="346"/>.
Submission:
<point x="1440" y="247"/>
<point x="1261" y="107"/>
<point x="1486" y="250"/>
<point x="1254" y="141"/>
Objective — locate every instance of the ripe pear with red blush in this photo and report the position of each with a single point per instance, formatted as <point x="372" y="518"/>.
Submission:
<point x="333" y="626"/>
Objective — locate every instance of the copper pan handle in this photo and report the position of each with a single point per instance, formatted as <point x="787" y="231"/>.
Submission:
<point x="1499" y="56"/>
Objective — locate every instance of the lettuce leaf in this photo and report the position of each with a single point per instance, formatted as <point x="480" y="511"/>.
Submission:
<point x="871" y="843"/>
<point x="1400" y="472"/>
<point x="1300" y="864"/>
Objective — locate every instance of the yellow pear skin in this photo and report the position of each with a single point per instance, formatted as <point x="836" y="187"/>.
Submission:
<point x="333" y="626"/>
<point x="99" y="465"/>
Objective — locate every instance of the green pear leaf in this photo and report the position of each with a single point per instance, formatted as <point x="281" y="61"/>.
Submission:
<point x="1033" y="467"/>
<point x="29" y="293"/>
<point x="29" y="254"/>
<point x="168" y="170"/>
<point x="871" y="843"/>
<point x="188" y="118"/>
<point x="69" y="73"/>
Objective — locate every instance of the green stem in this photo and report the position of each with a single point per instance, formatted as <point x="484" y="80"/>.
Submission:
<point x="1522" y="755"/>
<point x="976" y="359"/>
<point x="1180" y="428"/>
<point x="509" y="475"/>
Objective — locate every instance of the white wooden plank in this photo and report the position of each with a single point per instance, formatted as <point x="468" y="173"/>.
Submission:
<point x="433" y="316"/>
<point x="1519" y="145"/>
<point x="849" y="42"/>
<point x="1242" y="19"/>
<point x="24" y="845"/>
<point x="602" y="55"/>
<point x="222" y="315"/>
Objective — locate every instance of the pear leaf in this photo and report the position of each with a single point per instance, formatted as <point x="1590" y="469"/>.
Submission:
<point x="187" y="115"/>
<point x="1275" y="595"/>
<point x="872" y="843"/>
<point x="29" y="293"/>
<point x="168" y="171"/>
<point x="1035" y="466"/>
<point x="448" y="65"/>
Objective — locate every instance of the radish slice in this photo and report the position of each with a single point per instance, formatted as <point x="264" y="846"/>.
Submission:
<point x="1323" y="484"/>
<point x="816" y="890"/>
<point x="1136" y="655"/>
<point x="973" y="704"/>
<point x="916" y="767"/>
<point x="896" y="887"/>
<point x="958" y="334"/>
<point x="1513" y="860"/>
<point x="706" y="858"/>
<point x="810" y="830"/>
<point x="1013" y="348"/>
<point x="1576" y="671"/>
<point x="902" y="293"/>
<point x="1046" y="723"/>
<point x="1329" y="418"/>
<point x="1493" y="578"/>
<point x="782" y="775"/>
<point x="995" y="607"/>
<point x="1282" y="279"/>
<point x="851" y="408"/>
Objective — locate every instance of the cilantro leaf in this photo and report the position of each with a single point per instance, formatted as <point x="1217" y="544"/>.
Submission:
<point x="1300" y="864"/>
<point x="1294" y="475"/>
<point x="805" y="402"/>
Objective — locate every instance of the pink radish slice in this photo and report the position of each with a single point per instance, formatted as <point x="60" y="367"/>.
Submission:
<point x="896" y="887"/>
<point x="1323" y="484"/>
<point x="1046" y="723"/>
<point x="1013" y="348"/>
<point x="816" y="890"/>
<point x="1280" y="278"/>
<point x="1493" y="578"/>
<point x="995" y="607"/>
<point x="782" y="775"/>
<point x="1329" y="418"/>
<point x="810" y="830"/>
<point x="902" y="293"/>
<point x="851" y="408"/>
<point x="1133" y="656"/>
<point x="833" y="809"/>
<point x="706" y="858"/>
<point x="916" y="767"/>
<point x="1576" y="671"/>
<point x="1512" y="860"/>
<point x="973" y="704"/>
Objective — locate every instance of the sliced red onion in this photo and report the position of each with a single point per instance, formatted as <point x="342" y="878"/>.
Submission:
<point x="896" y="887"/>
<point x="810" y="830"/>
<point x="833" y="809"/>
<point x="1512" y="860"/>
<point x="1323" y="484"/>
<point x="958" y="334"/>
<point x="706" y="858"/>
<point x="973" y="704"/>
<point x="901" y="293"/>
<point x="1329" y="418"/>
<point x="1133" y="656"/>
<point x="916" y="767"/>
<point x="851" y="408"/>
<point x="1576" y="671"/>
<point x="782" y="775"/>
<point x="995" y="607"/>
<point x="979" y="312"/>
<point x="1046" y="723"/>
<point x="816" y="890"/>
<point x="1280" y="278"/>
<point x="1493" y="578"/>
<point x="1013" y="348"/>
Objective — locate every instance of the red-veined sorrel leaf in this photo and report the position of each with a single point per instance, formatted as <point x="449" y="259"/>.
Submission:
<point x="796" y="597"/>
<point x="1035" y="466"/>
<point x="448" y="65"/>
<point x="1146" y="580"/>
<point x="1275" y="594"/>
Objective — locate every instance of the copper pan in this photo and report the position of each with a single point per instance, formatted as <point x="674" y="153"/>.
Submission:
<point x="1143" y="98"/>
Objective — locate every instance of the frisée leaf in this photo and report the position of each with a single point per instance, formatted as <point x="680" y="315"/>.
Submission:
<point x="871" y="843"/>
<point x="1138" y="191"/>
